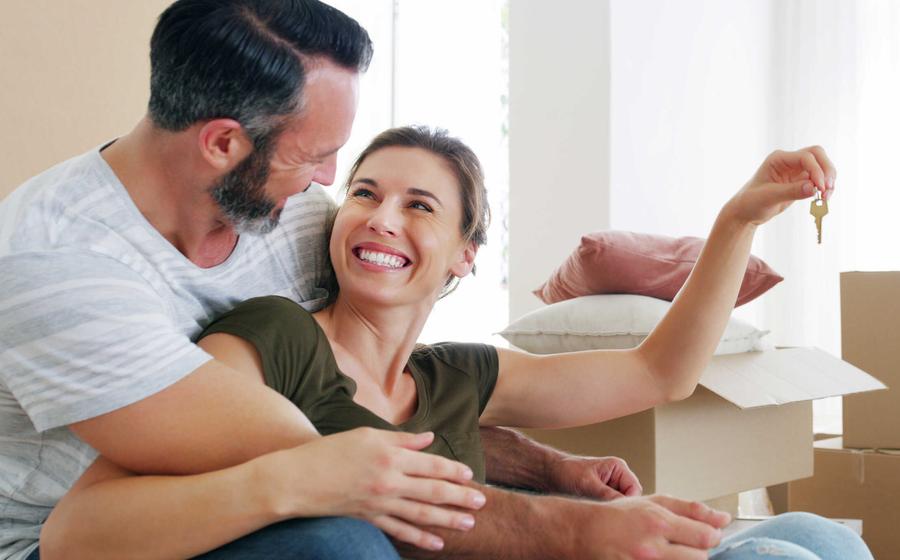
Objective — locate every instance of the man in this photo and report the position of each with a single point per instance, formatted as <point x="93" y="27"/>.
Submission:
<point x="115" y="260"/>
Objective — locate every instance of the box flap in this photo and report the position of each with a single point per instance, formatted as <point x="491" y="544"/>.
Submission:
<point x="774" y="377"/>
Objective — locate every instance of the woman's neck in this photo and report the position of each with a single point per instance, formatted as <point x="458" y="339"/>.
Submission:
<point x="376" y="342"/>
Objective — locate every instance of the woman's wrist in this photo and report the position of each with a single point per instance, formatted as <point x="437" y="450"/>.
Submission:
<point x="261" y="481"/>
<point x="731" y="217"/>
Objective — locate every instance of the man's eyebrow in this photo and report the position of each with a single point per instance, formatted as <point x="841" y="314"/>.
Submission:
<point x="412" y="190"/>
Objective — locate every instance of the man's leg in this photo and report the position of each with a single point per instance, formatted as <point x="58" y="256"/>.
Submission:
<point x="320" y="538"/>
<point x="795" y="535"/>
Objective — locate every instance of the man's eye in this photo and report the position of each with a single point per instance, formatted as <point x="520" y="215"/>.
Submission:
<point x="420" y="206"/>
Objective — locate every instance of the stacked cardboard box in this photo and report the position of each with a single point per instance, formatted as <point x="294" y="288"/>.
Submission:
<point x="859" y="477"/>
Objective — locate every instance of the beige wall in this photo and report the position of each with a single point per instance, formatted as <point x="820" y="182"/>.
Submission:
<point x="75" y="73"/>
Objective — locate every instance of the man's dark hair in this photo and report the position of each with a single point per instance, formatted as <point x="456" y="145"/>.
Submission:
<point x="244" y="60"/>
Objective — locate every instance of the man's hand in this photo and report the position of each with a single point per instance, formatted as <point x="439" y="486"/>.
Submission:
<point x="528" y="527"/>
<point x="657" y="527"/>
<point x="602" y="478"/>
<point x="515" y="460"/>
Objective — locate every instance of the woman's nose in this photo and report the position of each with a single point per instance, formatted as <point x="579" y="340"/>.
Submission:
<point x="384" y="221"/>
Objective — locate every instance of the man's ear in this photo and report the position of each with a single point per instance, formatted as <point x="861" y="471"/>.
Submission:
<point x="223" y="143"/>
<point x="466" y="260"/>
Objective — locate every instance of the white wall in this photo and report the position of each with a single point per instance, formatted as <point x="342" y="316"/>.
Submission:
<point x="692" y="89"/>
<point x="642" y="115"/>
<point x="559" y="136"/>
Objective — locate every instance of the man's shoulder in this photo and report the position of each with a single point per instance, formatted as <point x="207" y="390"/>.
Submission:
<point x="311" y="207"/>
<point x="35" y="215"/>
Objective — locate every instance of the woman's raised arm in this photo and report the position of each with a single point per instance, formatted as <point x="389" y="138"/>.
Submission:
<point x="561" y="390"/>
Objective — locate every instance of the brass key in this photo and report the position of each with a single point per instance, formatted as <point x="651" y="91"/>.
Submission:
<point x="818" y="208"/>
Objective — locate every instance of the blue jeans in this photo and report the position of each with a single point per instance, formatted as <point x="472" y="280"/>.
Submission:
<point x="793" y="536"/>
<point x="319" y="538"/>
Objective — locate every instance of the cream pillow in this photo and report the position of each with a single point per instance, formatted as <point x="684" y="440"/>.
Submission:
<point x="610" y="321"/>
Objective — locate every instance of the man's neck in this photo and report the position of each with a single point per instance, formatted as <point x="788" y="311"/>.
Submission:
<point x="168" y="183"/>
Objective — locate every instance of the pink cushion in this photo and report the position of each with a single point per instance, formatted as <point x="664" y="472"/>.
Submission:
<point x="621" y="262"/>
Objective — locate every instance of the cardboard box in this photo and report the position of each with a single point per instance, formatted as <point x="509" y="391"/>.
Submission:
<point x="747" y="426"/>
<point x="870" y="339"/>
<point x="856" y="484"/>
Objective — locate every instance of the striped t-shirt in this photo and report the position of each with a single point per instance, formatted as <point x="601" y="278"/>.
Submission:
<point x="98" y="311"/>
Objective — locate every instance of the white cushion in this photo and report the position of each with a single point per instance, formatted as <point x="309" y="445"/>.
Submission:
<point x="610" y="321"/>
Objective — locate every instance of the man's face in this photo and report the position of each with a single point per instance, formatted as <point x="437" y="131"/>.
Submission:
<point x="252" y="195"/>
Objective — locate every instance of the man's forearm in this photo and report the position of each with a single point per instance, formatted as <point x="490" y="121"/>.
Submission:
<point x="512" y="459"/>
<point x="509" y="526"/>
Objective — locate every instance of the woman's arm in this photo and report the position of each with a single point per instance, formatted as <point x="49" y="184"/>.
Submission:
<point x="578" y="388"/>
<point x="112" y="513"/>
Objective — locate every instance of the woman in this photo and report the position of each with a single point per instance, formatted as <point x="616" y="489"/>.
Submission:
<point x="411" y="225"/>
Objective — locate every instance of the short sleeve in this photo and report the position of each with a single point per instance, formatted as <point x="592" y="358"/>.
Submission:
<point x="82" y="334"/>
<point x="478" y="361"/>
<point x="296" y="358"/>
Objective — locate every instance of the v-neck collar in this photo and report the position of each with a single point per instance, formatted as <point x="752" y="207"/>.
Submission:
<point x="423" y="404"/>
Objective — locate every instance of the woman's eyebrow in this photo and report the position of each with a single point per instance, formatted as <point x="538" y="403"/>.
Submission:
<point x="412" y="190"/>
<point x="423" y="192"/>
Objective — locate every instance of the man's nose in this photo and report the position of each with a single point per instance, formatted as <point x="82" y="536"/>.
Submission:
<point x="326" y="171"/>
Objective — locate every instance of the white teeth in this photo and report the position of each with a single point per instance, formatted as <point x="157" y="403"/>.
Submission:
<point x="382" y="259"/>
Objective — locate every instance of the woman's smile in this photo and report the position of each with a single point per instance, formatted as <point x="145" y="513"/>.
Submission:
<point x="378" y="257"/>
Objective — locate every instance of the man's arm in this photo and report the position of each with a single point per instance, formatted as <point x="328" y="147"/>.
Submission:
<point x="525" y="527"/>
<point x="222" y="415"/>
<point x="514" y="460"/>
<point x="112" y="513"/>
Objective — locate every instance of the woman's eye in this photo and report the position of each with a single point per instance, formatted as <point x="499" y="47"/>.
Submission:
<point x="420" y="206"/>
<point x="366" y="193"/>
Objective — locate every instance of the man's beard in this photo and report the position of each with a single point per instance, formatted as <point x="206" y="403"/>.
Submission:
<point x="241" y="195"/>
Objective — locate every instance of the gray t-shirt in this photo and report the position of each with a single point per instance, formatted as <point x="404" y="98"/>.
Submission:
<point x="98" y="311"/>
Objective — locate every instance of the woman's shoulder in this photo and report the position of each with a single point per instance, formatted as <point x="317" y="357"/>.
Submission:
<point x="266" y="315"/>
<point x="466" y="357"/>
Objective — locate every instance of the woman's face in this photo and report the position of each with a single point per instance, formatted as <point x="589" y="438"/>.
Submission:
<point x="396" y="238"/>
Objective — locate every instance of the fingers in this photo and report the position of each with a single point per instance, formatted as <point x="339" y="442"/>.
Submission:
<point x="827" y="167"/>
<point x="409" y="441"/>
<point x="802" y="160"/>
<point x="688" y="532"/>
<point x="694" y="510"/>
<point x="404" y="532"/>
<point x="428" y="515"/>
<point x="425" y="465"/>
<point x="632" y="486"/>
<point x="791" y="191"/>
<point x="597" y="489"/>
<point x="628" y="482"/>
<point x="441" y="492"/>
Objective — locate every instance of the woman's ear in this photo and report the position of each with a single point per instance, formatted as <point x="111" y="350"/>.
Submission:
<point x="223" y="144"/>
<point x="466" y="260"/>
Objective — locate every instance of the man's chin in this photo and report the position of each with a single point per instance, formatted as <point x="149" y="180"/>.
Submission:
<point x="258" y="226"/>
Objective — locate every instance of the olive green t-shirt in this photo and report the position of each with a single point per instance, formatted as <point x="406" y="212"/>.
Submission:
<point x="453" y="380"/>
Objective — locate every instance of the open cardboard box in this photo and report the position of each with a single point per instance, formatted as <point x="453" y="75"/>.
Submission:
<point x="748" y="425"/>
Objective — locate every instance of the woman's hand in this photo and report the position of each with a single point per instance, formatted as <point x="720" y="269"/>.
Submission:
<point x="782" y="178"/>
<point x="376" y="475"/>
